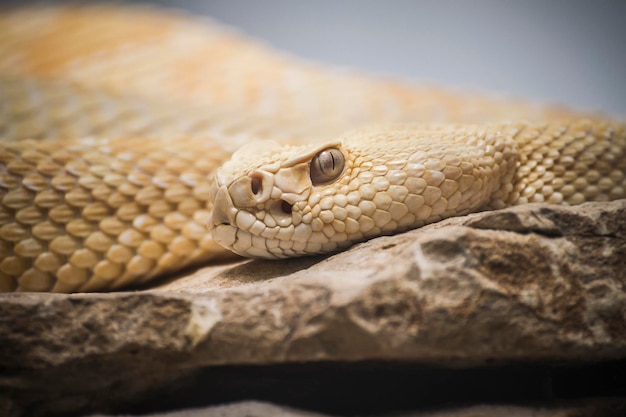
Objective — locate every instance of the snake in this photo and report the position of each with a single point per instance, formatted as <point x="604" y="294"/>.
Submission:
<point x="137" y="141"/>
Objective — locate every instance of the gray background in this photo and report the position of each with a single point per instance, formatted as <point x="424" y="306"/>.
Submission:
<point x="571" y="52"/>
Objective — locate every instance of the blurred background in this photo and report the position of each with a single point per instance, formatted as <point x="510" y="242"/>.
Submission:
<point x="563" y="51"/>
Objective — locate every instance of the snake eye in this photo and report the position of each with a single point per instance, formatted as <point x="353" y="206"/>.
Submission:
<point x="326" y="166"/>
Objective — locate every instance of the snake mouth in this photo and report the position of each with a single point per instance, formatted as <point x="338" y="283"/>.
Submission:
<point x="242" y="243"/>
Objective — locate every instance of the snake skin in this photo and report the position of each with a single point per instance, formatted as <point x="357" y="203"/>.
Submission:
<point x="114" y="121"/>
<point x="399" y="178"/>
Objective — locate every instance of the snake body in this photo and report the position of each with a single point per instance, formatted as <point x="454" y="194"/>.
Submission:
<point x="114" y="121"/>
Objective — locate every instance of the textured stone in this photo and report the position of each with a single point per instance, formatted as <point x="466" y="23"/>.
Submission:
<point x="261" y="409"/>
<point x="531" y="284"/>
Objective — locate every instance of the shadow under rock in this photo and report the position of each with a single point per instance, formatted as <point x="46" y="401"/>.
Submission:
<point x="373" y="387"/>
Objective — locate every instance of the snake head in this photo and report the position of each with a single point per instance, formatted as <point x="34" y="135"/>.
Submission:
<point x="262" y="197"/>
<point x="275" y="202"/>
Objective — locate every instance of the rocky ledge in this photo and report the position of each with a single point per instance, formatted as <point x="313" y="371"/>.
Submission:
<point x="535" y="285"/>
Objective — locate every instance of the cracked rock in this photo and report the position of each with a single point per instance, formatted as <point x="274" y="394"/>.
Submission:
<point x="534" y="283"/>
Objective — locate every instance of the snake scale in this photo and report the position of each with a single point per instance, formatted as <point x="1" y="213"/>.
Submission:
<point x="130" y="148"/>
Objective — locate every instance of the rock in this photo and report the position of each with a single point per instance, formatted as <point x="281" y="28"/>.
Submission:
<point x="244" y="408"/>
<point x="261" y="409"/>
<point x="531" y="284"/>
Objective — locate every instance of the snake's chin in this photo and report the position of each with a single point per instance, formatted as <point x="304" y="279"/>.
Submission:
<point x="241" y="242"/>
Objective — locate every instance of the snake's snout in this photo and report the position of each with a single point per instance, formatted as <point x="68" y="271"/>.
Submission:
<point x="223" y="210"/>
<point x="245" y="192"/>
<point x="250" y="190"/>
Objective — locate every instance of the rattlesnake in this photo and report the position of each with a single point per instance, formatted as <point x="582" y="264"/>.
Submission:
<point x="116" y="119"/>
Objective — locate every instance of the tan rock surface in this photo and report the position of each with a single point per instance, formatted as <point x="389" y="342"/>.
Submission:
<point x="532" y="283"/>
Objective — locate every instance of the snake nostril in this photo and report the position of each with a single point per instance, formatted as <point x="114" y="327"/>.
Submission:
<point x="256" y="184"/>
<point x="286" y="207"/>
